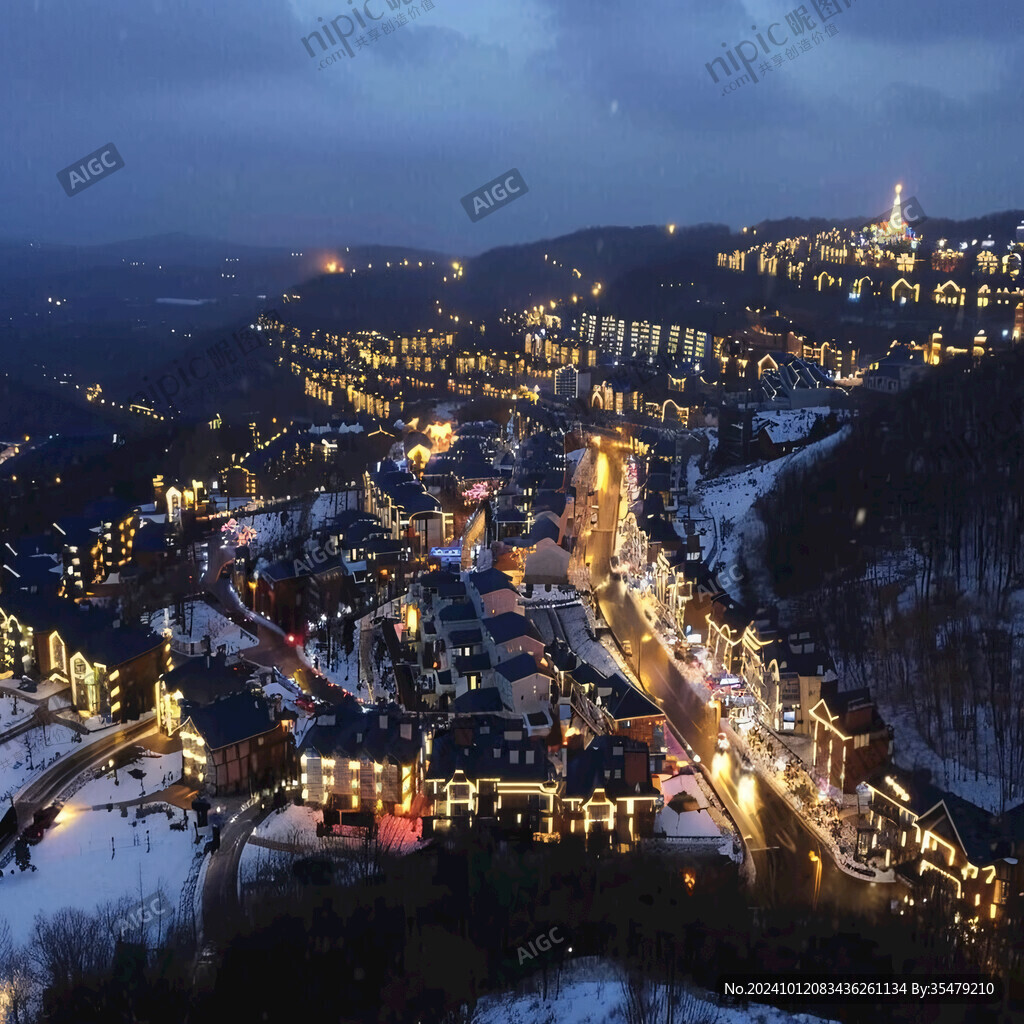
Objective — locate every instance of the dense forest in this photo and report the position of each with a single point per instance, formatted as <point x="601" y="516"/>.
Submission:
<point x="905" y="545"/>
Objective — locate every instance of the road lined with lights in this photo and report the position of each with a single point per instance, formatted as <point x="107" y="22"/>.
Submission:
<point x="791" y="866"/>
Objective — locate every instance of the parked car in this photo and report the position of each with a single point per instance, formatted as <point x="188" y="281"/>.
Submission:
<point x="723" y="741"/>
<point x="627" y="648"/>
<point x="46" y="816"/>
<point x="33" y="834"/>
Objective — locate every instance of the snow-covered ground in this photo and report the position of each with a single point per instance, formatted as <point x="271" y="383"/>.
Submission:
<point x="44" y="690"/>
<point x="790" y="424"/>
<point x="296" y="826"/>
<point x="18" y="769"/>
<point x="273" y="534"/>
<point x="911" y="750"/>
<point x="289" y="824"/>
<point x="110" y="857"/>
<point x="343" y="668"/>
<point x="589" y="992"/>
<point x="202" y="620"/>
<point x="11" y="719"/>
<point x="158" y="772"/>
<point x="729" y="499"/>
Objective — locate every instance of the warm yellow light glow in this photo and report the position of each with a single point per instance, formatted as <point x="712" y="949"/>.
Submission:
<point x="747" y="792"/>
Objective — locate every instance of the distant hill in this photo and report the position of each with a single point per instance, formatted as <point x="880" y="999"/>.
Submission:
<point x="110" y="311"/>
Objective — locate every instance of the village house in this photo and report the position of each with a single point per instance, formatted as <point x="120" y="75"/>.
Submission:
<point x="608" y="790"/>
<point x="356" y="759"/>
<point x="850" y="738"/>
<point x="111" y="668"/>
<point x="237" y="744"/>
<point x="487" y="767"/>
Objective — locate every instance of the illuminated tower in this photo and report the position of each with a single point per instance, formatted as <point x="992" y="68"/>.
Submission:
<point x="896" y="227"/>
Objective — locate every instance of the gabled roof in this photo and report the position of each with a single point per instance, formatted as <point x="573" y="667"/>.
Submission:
<point x="488" y="581"/>
<point x="472" y="663"/>
<point x="510" y="626"/>
<point x="83" y="628"/>
<point x="543" y="529"/>
<point x="974" y="828"/>
<point x="626" y="701"/>
<point x="358" y="733"/>
<point x="461" y="612"/>
<point x="483" y="700"/>
<point x="923" y="796"/>
<point x="519" y="667"/>
<point x="482" y="746"/>
<point x="231" y="719"/>
<point x="201" y="683"/>
<point x="594" y="767"/>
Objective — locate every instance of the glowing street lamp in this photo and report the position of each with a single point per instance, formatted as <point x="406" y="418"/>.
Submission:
<point x="816" y="860"/>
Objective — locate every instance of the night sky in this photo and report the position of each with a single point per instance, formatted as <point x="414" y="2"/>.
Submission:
<point x="229" y="130"/>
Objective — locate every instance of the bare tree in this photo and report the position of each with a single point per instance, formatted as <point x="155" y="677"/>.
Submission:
<point x="16" y="988"/>
<point x="67" y="948"/>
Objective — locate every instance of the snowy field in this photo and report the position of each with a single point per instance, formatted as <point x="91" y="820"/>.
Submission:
<point x="729" y="500"/>
<point x="11" y="719"/>
<point x="911" y="750"/>
<point x="289" y="823"/>
<point x="296" y="826"/>
<point x="790" y="424"/>
<point x="111" y="859"/>
<point x="202" y="620"/>
<point x="158" y="771"/>
<point x="272" y="534"/>
<point x="27" y="756"/>
<point x="589" y="993"/>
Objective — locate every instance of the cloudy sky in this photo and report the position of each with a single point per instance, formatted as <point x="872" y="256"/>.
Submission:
<point x="229" y="129"/>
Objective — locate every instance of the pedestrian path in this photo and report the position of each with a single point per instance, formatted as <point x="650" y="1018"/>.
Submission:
<point x="764" y="753"/>
<point x="177" y="795"/>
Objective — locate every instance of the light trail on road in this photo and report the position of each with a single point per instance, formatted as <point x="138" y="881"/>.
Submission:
<point x="780" y="842"/>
